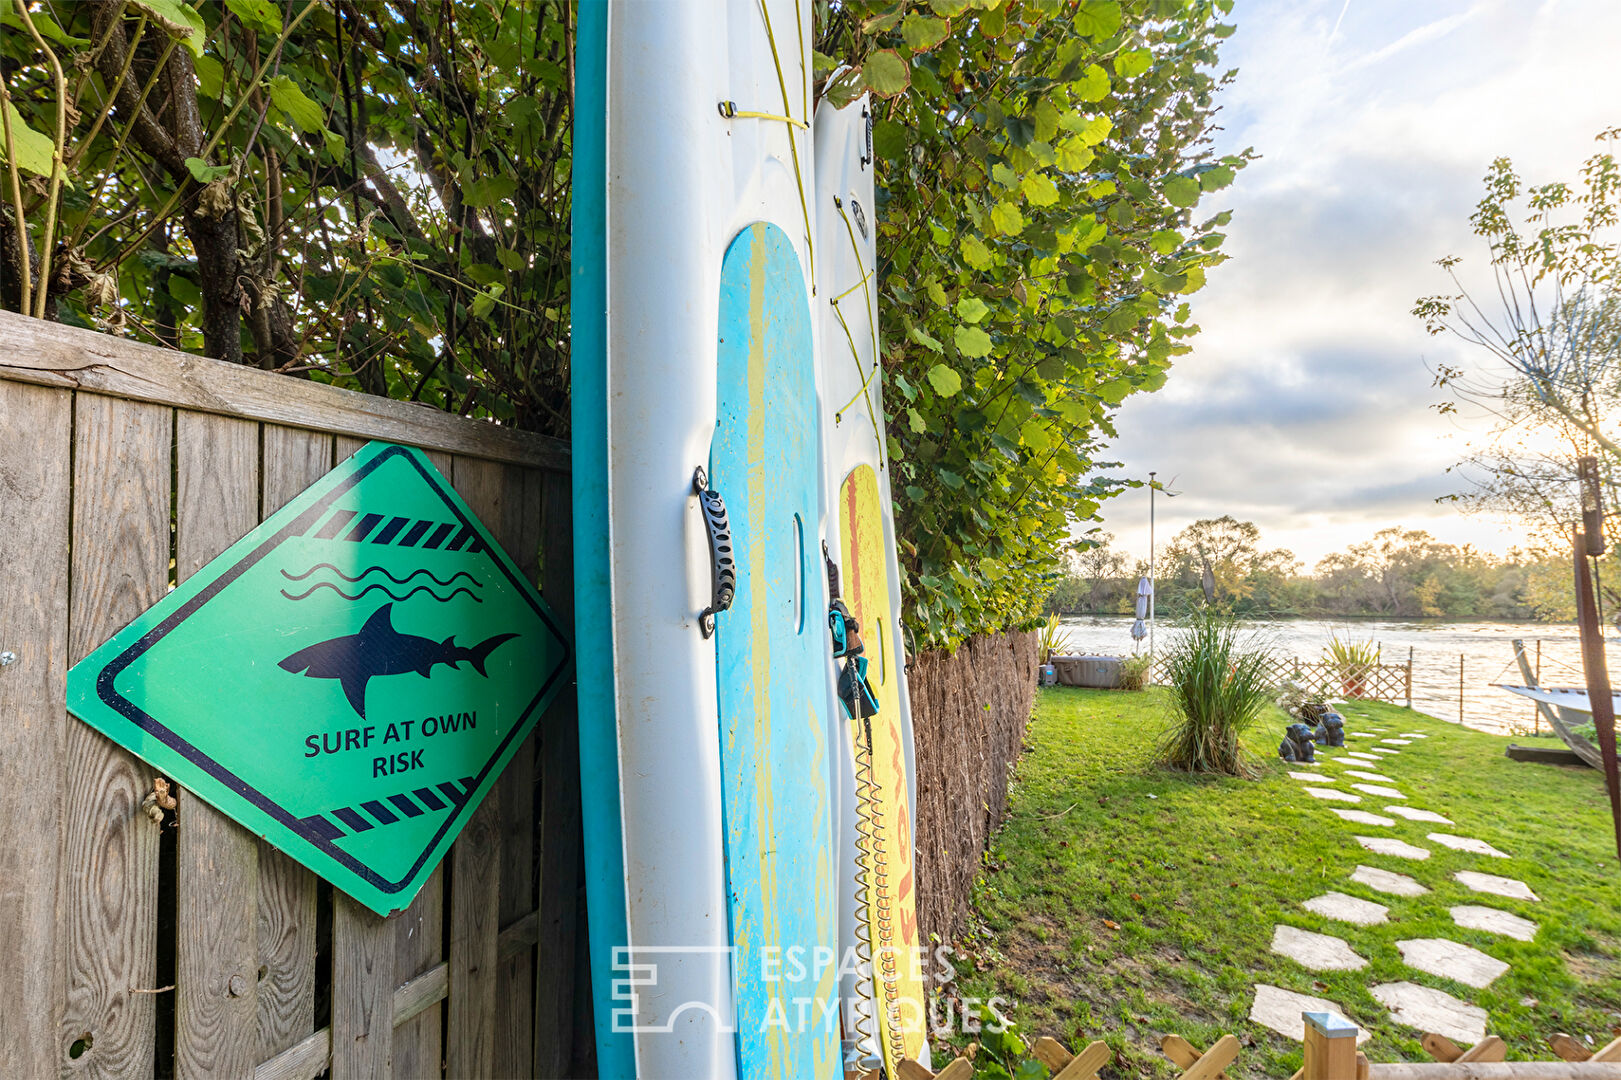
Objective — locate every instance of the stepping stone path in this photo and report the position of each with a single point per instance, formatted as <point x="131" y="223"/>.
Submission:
<point x="1280" y="1010"/>
<point x="1424" y="1008"/>
<point x="1411" y="814"/>
<point x="1384" y="845"/>
<point x="1450" y="960"/>
<point x="1332" y="793"/>
<point x="1336" y="905"/>
<point x="1319" y="952"/>
<point x="1497" y="886"/>
<point x="1431" y="1010"/>
<point x="1362" y="817"/>
<point x="1493" y="921"/>
<point x="1387" y="881"/>
<point x="1467" y="843"/>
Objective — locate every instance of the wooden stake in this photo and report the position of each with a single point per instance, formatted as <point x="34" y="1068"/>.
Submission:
<point x="1330" y="1047"/>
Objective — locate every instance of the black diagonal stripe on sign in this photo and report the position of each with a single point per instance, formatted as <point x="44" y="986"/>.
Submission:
<point x="428" y="798"/>
<point x="337" y="521"/>
<point x="415" y="534"/>
<point x="317" y="825"/>
<point x="407" y="807"/>
<point x="438" y="536"/>
<point x="391" y="530"/>
<point x="347" y="815"/>
<point x="363" y="528"/>
<point x="380" y="812"/>
<point x="461" y="540"/>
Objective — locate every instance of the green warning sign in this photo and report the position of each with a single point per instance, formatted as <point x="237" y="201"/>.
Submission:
<point x="347" y="680"/>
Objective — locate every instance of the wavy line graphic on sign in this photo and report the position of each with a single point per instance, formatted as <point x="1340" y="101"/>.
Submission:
<point x="379" y="587"/>
<point x="406" y="580"/>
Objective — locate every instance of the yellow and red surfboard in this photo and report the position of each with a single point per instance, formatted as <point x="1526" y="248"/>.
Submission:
<point x="885" y="1015"/>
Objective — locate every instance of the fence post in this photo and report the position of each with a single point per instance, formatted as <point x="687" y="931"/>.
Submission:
<point x="1460" y="688"/>
<point x="1330" y="1047"/>
<point x="1409" y="676"/>
<point x="1536" y="715"/>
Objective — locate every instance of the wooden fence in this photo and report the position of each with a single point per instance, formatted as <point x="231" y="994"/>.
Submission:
<point x="1366" y="682"/>
<point x="192" y="949"/>
<point x="1330" y="1054"/>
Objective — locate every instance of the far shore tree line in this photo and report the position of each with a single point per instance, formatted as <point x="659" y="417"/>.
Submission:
<point x="1397" y="573"/>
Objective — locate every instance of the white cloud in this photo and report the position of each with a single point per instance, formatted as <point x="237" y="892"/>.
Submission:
<point x="1306" y="405"/>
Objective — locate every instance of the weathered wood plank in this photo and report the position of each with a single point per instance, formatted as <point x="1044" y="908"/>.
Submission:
<point x="362" y="992"/>
<point x="419" y="933"/>
<point x="108" y="904"/>
<point x="34" y="495"/>
<point x="518" y="529"/>
<point x="475" y="875"/>
<point x="559" y="809"/>
<point x="292" y="461"/>
<point x="51" y="354"/>
<point x="216" y="860"/>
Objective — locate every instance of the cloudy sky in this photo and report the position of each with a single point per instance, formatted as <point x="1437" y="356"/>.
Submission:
<point x="1306" y="404"/>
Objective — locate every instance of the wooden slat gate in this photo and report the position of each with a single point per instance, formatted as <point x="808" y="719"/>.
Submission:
<point x="133" y="950"/>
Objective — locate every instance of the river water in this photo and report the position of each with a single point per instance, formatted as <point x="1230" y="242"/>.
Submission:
<point x="1484" y="647"/>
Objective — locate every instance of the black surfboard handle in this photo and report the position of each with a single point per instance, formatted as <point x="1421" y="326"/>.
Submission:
<point x="723" y="568"/>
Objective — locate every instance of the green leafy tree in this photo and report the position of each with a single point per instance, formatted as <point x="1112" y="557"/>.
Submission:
<point x="1039" y="166"/>
<point x="370" y="194"/>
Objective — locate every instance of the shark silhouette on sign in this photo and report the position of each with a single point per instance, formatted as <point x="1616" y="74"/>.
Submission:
<point x="379" y="649"/>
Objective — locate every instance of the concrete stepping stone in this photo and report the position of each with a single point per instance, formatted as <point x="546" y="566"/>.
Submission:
<point x="1385" y="845"/>
<point x="1466" y="843"/>
<point x="1358" y="754"/>
<point x="1411" y="814"/>
<point x="1385" y="750"/>
<point x="1387" y="881"/>
<point x="1369" y="776"/>
<point x="1494" y="921"/>
<point x="1414" y="735"/>
<point x="1363" y="734"/>
<point x="1397" y="742"/>
<point x="1375" y="789"/>
<point x="1280" y="1010"/>
<point x="1316" y="778"/>
<point x="1336" y="905"/>
<point x="1362" y="817"/>
<point x="1512" y="888"/>
<point x="1319" y="952"/>
<point x="1431" y="1010"/>
<point x="1452" y="960"/>
<point x="1331" y="793"/>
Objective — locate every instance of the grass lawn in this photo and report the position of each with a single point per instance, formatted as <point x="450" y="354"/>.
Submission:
<point x="1122" y="901"/>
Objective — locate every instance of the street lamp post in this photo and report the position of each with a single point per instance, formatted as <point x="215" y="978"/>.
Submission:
<point x="1152" y="584"/>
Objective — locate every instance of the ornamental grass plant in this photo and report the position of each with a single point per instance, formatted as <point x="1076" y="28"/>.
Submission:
<point x="1220" y="682"/>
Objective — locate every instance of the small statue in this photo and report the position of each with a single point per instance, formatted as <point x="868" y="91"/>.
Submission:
<point x="1297" y="744"/>
<point x="1332" y="727"/>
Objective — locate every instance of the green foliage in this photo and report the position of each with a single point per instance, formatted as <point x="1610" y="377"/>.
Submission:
<point x="1134" y="671"/>
<point x="373" y="195"/>
<point x="1038" y="166"/>
<point x="1053" y="639"/>
<point x="1352" y="661"/>
<point x="1219" y="685"/>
